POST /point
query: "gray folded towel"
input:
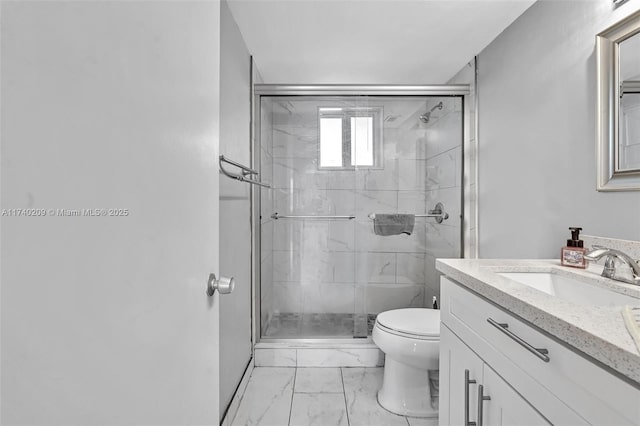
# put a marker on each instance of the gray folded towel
(393, 224)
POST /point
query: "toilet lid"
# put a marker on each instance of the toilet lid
(416, 321)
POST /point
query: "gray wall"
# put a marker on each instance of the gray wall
(537, 110)
(235, 207)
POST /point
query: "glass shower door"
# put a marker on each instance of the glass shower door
(334, 162)
(423, 151)
(390, 269)
(307, 282)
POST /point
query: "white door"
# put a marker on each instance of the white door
(460, 375)
(105, 319)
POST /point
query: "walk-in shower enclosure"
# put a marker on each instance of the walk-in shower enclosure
(335, 156)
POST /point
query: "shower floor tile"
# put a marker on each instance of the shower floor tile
(345, 396)
(315, 326)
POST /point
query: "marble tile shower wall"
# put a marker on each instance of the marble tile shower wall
(266, 206)
(335, 266)
(444, 184)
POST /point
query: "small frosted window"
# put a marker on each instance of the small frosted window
(330, 142)
(362, 141)
(350, 137)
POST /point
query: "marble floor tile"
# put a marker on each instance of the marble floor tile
(318, 380)
(361, 387)
(318, 409)
(267, 399)
(323, 396)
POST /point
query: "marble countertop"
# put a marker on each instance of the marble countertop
(597, 331)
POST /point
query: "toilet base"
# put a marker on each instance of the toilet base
(405, 390)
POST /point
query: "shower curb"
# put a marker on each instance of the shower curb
(318, 354)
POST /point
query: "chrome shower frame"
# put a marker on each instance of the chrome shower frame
(259, 90)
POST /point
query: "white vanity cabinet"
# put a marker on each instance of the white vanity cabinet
(472, 379)
(530, 378)
(460, 373)
(506, 407)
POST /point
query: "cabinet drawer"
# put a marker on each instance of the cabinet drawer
(593, 393)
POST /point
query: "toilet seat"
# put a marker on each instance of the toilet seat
(414, 323)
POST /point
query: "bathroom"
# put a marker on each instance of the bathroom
(125, 108)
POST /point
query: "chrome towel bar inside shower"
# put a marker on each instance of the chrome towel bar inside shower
(245, 171)
(438, 213)
(277, 216)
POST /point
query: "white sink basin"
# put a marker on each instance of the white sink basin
(571, 290)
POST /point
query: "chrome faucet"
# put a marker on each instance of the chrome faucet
(610, 270)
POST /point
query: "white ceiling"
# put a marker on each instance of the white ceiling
(369, 42)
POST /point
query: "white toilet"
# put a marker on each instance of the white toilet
(410, 339)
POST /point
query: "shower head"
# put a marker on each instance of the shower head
(427, 115)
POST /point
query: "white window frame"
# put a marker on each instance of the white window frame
(346, 113)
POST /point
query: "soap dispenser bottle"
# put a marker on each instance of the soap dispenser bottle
(573, 254)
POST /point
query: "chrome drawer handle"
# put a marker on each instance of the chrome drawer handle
(481, 399)
(467, 382)
(504, 327)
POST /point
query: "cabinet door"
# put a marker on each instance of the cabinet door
(460, 375)
(506, 406)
